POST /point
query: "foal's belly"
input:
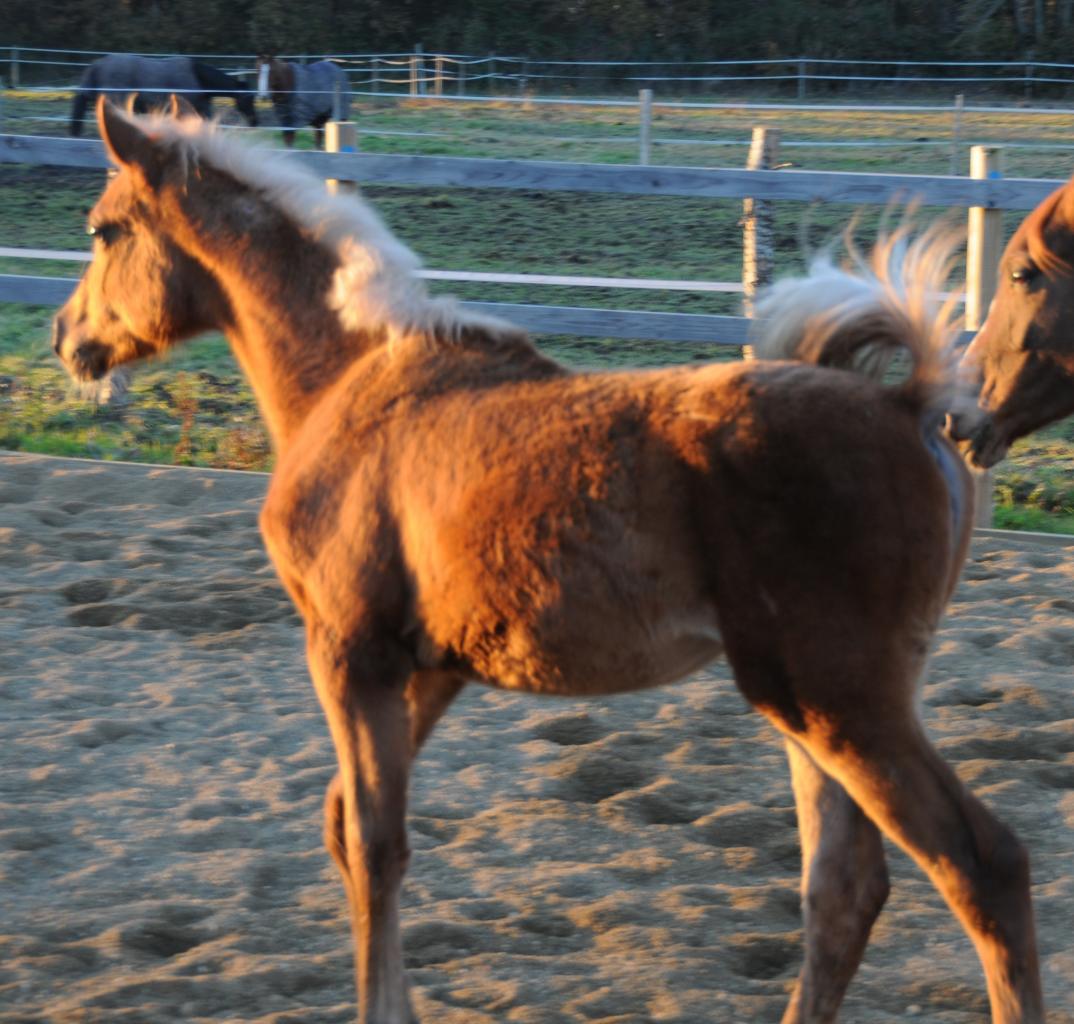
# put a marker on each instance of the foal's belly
(605, 657)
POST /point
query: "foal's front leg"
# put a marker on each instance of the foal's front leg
(362, 688)
(844, 886)
(428, 695)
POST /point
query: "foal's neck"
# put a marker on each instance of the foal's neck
(291, 345)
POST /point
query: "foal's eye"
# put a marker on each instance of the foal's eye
(1024, 274)
(106, 234)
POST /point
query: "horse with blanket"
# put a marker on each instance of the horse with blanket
(304, 94)
(150, 80)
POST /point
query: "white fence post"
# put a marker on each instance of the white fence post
(758, 242)
(645, 127)
(956, 132)
(984, 246)
(340, 137)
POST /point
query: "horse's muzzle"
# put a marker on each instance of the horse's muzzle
(978, 439)
(84, 360)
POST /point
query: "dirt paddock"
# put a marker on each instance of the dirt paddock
(163, 763)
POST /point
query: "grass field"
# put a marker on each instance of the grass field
(197, 408)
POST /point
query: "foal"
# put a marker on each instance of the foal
(449, 505)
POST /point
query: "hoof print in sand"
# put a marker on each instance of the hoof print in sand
(439, 942)
(662, 803)
(161, 938)
(570, 730)
(590, 776)
(761, 957)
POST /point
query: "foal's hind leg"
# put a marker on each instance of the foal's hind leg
(978, 865)
(844, 885)
(868, 738)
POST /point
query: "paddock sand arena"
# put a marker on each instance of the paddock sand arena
(163, 760)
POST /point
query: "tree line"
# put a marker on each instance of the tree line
(635, 30)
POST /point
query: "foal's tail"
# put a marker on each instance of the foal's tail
(861, 317)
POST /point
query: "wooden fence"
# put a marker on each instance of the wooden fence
(989, 195)
(985, 195)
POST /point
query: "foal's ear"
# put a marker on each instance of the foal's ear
(127, 143)
(180, 106)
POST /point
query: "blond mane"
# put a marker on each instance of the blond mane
(376, 286)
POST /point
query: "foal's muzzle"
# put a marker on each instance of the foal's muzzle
(84, 359)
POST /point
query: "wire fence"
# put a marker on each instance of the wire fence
(510, 103)
(420, 73)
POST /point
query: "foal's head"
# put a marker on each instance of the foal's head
(1022, 360)
(142, 292)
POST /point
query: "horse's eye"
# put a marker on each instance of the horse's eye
(1024, 274)
(106, 234)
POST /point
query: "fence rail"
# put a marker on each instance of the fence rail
(730, 183)
(551, 176)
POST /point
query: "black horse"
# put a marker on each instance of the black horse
(152, 79)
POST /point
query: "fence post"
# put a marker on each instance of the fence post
(460, 77)
(1029, 81)
(13, 77)
(801, 78)
(645, 128)
(758, 243)
(984, 241)
(340, 137)
(492, 74)
(438, 79)
(956, 132)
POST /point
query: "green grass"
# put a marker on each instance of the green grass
(197, 408)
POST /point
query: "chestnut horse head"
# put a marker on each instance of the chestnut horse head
(1022, 360)
(195, 232)
(142, 292)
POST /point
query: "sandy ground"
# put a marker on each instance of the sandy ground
(163, 760)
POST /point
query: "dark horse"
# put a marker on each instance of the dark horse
(151, 79)
(1023, 357)
(451, 506)
(304, 94)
